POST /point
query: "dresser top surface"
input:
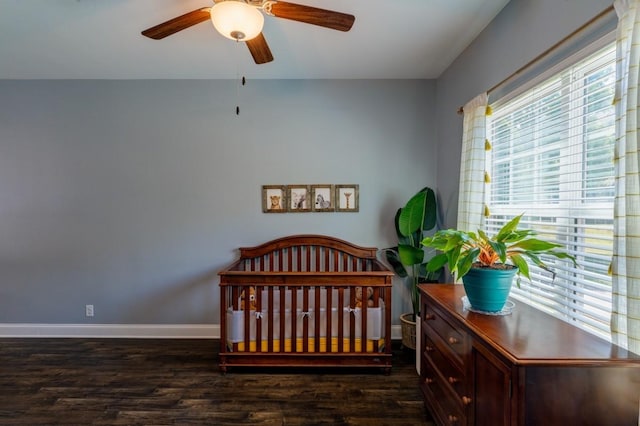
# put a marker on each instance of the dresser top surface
(528, 335)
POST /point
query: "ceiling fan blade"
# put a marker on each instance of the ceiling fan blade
(178, 24)
(312, 15)
(259, 49)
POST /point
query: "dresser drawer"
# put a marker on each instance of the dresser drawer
(455, 339)
(440, 358)
(439, 398)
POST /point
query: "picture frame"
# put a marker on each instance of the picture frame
(274, 199)
(322, 198)
(298, 198)
(347, 198)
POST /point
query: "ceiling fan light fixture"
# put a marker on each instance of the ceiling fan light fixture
(237, 20)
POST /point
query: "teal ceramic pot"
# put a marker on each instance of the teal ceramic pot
(488, 289)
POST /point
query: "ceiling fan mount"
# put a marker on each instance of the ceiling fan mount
(242, 20)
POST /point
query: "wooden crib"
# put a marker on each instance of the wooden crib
(295, 301)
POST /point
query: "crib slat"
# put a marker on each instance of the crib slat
(305, 319)
(352, 320)
(224, 303)
(270, 319)
(316, 319)
(363, 323)
(294, 319)
(341, 319)
(327, 260)
(283, 318)
(329, 331)
(258, 319)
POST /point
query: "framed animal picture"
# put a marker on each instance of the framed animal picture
(347, 198)
(274, 199)
(298, 198)
(322, 198)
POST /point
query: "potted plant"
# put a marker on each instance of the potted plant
(408, 258)
(487, 264)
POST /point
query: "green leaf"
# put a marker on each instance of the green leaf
(437, 262)
(522, 265)
(519, 235)
(500, 248)
(508, 228)
(412, 215)
(394, 260)
(410, 255)
(453, 256)
(430, 210)
(534, 258)
(466, 261)
(455, 240)
(535, 245)
(562, 255)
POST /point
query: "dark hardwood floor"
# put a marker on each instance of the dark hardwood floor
(153, 381)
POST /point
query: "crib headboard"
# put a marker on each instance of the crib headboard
(308, 253)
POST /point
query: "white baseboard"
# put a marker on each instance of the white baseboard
(133, 331)
(396, 332)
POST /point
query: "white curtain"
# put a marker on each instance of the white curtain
(625, 321)
(471, 194)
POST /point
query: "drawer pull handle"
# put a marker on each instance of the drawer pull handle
(452, 380)
(428, 348)
(466, 400)
(428, 380)
(452, 418)
(429, 317)
(453, 340)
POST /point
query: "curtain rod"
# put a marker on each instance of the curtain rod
(548, 51)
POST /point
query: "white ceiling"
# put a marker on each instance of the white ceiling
(100, 39)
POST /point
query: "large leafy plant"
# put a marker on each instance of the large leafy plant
(408, 257)
(462, 250)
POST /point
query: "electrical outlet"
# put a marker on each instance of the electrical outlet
(88, 310)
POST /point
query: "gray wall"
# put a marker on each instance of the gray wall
(523, 30)
(132, 195)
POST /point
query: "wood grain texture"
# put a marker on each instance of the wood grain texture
(525, 368)
(177, 24)
(312, 15)
(155, 381)
(260, 49)
(527, 336)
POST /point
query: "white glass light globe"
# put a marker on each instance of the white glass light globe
(237, 20)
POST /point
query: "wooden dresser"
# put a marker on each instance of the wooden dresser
(525, 368)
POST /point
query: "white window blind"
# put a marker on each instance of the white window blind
(552, 159)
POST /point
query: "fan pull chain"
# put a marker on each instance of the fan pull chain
(237, 77)
(243, 81)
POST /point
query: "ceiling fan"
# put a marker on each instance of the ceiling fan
(242, 20)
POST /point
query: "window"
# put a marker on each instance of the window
(552, 159)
